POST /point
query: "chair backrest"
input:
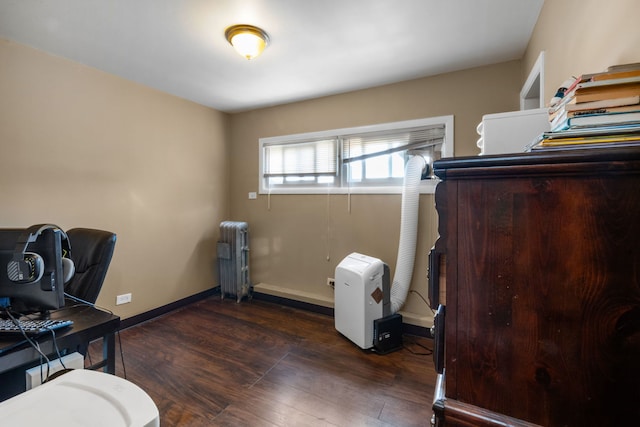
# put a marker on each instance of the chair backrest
(91, 252)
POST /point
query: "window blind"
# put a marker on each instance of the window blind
(363, 146)
(306, 158)
(367, 159)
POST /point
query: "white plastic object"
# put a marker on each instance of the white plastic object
(82, 397)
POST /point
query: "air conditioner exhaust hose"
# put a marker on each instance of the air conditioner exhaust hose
(408, 232)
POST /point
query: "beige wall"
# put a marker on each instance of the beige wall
(583, 36)
(81, 148)
(297, 240)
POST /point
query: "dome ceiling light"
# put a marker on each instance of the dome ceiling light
(247, 40)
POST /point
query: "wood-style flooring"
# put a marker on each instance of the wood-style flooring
(258, 363)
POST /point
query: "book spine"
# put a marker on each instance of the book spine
(611, 92)
(616, 75)
(611, 102)
(607, 119)
(607, 82)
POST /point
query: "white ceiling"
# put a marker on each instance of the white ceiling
(318, 47)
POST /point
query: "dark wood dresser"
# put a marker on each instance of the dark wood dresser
(540, 320)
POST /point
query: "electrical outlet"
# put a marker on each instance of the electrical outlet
(123, 299)
(331, 282)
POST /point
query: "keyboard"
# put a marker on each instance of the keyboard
(32, 326)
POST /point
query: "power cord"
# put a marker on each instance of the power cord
(428, 351)
(36, 346)
(55, 345)
(423, 299)
(82, 302)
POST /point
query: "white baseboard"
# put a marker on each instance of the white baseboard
(424, 321)
(294, 294)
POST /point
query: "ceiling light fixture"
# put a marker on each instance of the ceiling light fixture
(247, 40)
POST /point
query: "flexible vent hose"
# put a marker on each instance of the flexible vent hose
(408, 232)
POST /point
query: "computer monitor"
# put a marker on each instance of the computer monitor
(31, 271)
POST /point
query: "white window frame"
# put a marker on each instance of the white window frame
(426, 186)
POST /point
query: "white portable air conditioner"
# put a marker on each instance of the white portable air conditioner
(362, 289)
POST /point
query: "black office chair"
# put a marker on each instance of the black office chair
(91, 252)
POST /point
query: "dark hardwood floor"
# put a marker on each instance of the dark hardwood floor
(257, 363)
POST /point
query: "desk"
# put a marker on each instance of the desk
(89, 324)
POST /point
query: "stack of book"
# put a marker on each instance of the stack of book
(597, 109)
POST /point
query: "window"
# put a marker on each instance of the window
(368, 159)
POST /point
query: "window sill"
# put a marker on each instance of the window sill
(426, 187)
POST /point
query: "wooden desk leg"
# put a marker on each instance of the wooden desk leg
(109, 353)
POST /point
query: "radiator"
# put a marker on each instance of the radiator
(233, 260)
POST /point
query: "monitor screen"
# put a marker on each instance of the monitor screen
(31, 274)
